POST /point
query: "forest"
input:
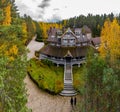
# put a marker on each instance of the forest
(101, 92)
(94, 22)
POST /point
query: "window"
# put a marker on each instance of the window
(72, 40)
(65, 41)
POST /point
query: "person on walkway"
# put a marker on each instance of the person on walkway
(75, 101)
(71, 101)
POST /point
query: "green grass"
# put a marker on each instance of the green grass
(78, 78)
(47, 76)
(50, 78)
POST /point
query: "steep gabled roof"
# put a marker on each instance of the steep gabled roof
(50, 39)
(68, 31)
(96, 40)
(86, 29)
(68, 54)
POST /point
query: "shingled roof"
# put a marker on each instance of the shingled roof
(96, 41)
(86, 29)
(69, 31)
(61, 52)
(52, 39)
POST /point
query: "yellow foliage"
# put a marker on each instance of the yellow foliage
(34, 26)
(11, 58)
(7, 10)
(3, 1)
(2, 46)
(44, 29)
(60, 26)
(110, 40)
(24, 31)
(64, 22)
(12, 52)
(46, 26)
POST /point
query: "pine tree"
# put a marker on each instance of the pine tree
(39, 32)
(30, 27)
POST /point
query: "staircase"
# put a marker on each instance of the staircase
(68, 81)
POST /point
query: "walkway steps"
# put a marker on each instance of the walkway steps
(68, 81)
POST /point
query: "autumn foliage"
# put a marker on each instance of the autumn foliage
(110, 40)
(13, 97)
(46, 26)
(7, 19)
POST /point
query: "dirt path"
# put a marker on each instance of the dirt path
(33, 46)
(38, 100)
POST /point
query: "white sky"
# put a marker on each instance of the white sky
(63, 9)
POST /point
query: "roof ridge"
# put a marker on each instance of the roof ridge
(68, 30)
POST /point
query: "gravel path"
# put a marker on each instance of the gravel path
(40, 101)
(33, 46)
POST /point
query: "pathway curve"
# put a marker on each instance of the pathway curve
(38, 100)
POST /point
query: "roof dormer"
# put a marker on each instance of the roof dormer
(68, 38)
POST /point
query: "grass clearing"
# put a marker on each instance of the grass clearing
(78, 77)
(47, 76)
(50, 78)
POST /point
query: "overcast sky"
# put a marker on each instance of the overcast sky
(45, 10)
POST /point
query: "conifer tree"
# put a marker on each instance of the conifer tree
(39, 32)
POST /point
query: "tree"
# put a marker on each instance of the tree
(13, 62)
(7, 19)
(101, 90)
(30, 28)
(94, 75)
(13, 97)
(12, 72)
(39, 32)
(110, 39)
(24, 32)
(5, 12)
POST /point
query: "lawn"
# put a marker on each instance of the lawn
(47, 76)
(50, 78)
(78, 77)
